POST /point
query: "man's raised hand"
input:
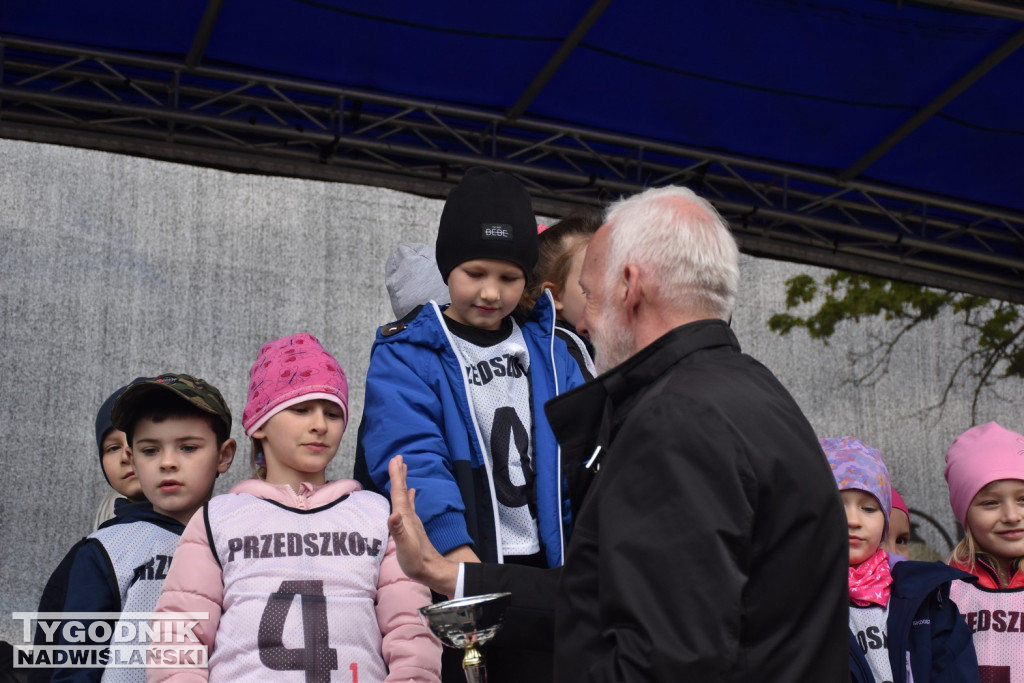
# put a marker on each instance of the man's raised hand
(417, 557)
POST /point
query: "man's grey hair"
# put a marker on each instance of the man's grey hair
(683, 245)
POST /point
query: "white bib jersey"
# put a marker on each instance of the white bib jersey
(996, 620)
(140, 554)
(870, 627)
(299, 589)
(499, 392)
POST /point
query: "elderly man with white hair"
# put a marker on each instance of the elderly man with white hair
(711, 544)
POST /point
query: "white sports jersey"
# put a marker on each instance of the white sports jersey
(499, 391)
(140, 554)
(299, 589)
(996, 620)
(870, 627)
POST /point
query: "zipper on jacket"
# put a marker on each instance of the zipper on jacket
(558, 447)
(476, 431)
(301, 497)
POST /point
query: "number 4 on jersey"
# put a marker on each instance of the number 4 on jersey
(316, 657)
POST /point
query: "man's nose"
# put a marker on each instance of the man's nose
(582, 326)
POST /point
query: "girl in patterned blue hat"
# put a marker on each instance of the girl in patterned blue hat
(903, 626)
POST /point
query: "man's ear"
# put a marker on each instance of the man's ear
(555, 294)
(226, 455)
(634, 295)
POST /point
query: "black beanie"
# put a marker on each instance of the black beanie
(487, 215)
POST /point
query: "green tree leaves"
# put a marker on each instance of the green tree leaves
(992, 331)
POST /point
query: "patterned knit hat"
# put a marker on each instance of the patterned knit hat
(978, 457)
(288, 371)
(855, 465)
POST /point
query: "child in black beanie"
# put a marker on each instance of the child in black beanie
(459, 391)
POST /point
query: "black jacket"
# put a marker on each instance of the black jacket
(711, 545)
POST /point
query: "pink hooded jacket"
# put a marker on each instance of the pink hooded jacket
(195, 583)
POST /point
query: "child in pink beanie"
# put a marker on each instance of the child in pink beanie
(289, 533)
(898, 541)
(985, 473)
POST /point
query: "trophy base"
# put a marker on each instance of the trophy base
(475, 674)
(473, 665)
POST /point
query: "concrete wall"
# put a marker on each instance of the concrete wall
(114, 267)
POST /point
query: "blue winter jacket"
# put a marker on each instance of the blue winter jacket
(417, 405)
(924, 625)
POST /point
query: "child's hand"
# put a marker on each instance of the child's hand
(417, 557)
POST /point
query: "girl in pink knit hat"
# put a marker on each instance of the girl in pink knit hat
(985, 473)
(298, 574)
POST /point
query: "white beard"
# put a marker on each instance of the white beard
(613, 339)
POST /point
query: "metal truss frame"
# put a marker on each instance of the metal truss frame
(260, 123)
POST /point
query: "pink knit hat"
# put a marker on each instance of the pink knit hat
(288, 371)
(898, 503)
(978, 457)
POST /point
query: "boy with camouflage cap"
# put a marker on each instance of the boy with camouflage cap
(178, 430)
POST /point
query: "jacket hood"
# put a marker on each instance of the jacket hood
(424, 326)
(914, 580)
(308, 496)
(987, 577)
(412, 278)
(143, 511)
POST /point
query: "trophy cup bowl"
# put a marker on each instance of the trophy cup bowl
(467, 623)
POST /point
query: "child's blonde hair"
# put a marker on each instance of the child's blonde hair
(256, 459)
(968, 551)
(965, 552)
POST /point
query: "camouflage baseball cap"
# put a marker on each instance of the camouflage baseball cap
(198, 392)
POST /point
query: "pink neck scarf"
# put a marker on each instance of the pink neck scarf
(870, 581)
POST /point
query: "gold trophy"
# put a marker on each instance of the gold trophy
(467, 623)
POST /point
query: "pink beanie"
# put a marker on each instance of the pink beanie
(898, 503)
(288, 371)
(978, 457)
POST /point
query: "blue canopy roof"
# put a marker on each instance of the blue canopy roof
(875, 135)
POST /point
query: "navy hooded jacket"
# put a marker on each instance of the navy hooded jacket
(925, 625)
(86, 581)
